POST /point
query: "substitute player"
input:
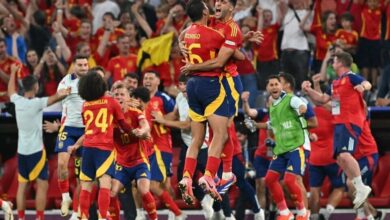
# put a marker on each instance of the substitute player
(32, 161)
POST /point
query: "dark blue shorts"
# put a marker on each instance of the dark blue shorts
(261, 165)
(346, 137)
(318, 174)
(367, 168)
(293, 162)
(160, 165)
(212, 95)
(95, 163)
(67, 136)
(32, 166)
(127, 174)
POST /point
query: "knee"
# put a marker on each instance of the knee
(290, 179)
(271, 178)
(343, 158)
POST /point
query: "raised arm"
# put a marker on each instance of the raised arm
(12, 80)
(321, 98)
(251, 112)
(140, 19)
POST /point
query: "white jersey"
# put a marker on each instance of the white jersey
(183, 108)
(72, 105)
(29, 115)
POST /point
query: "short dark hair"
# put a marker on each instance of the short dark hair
(92, 86)
(157, 74)
(195, 9)
(289, 79)
(272, 77)
(132, 75)
(233, 2)
(347, 17)
(80, 45)
(28, 82)
(109, 14)
(79, 57)
(344, 58)
(98, 68)
(183, 78)
(141, 93)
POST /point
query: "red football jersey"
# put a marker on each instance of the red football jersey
(366, 144)
(233, 39)
(160, 133)
(130, 150)
(371, 23)
(119, 66)
(268, 49)
(348, 37)
(98, 117)
(323, 41)
(322, 150)
(203, 44)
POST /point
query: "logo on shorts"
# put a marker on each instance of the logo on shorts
(144, 175)
(60, 145)
(290, 168)
(274, 157)
(344, 148)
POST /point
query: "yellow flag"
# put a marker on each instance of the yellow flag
(156, 49)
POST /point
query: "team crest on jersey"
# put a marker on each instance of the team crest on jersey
(117, 65)
(155, 105)
(343, 81)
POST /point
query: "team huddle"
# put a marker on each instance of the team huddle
(121, 138)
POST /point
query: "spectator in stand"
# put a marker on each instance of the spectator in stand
(162, 12)
(386, 52)
(176, 20)
(145, 15)
(369, 48)
(327, 72)
(49, 71)
(131, 31)
(111, 25)
(246, 69)
(295, 47)
(122, 64)
(347, 38)
(32, 61)
(324, 33)
(16, 44)
(267, 51)
(100, 8)
(383, 98)
(243, 9)
(38, 33)
(6, 62)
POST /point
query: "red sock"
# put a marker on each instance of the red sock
(75, 203)
(189, 167)
(103, 201)
(212, 166)
(149, 205)
(93, 193)
(272, 182)
(63, 185)
(169, 203)
(84, 203)
(21, 214)
(295, 190)
(114, 208)
(40, 215)
(227, 153)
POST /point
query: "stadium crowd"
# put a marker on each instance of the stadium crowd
(136, 52)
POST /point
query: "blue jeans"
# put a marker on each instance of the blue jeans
(249, 83)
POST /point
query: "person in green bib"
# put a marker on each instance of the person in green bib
(288, 126)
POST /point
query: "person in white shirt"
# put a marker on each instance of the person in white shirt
(72, 128)
(32, 161)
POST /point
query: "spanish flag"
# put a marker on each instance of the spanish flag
(155, 51)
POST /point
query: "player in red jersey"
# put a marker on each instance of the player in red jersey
(161, 160)
(99, 113)
(131, 160)
(223, 23)
(348, 117)
(366, 155)
(323, 165)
